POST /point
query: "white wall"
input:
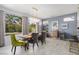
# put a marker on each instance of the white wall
(2, 15)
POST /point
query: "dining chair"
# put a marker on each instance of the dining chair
(16, 43)
(74, 44)
(34, 39)
(42, 38)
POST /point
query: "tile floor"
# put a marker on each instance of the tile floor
(52, 47)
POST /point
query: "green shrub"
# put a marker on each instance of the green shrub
(32, 27)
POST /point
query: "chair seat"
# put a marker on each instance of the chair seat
(22, 41)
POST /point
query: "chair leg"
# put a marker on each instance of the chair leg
(37, 44)
(21, 46)
(14, 50)
(42, 42)
(45, 41)
(33, 45)
(69, 49)
(70, 46)
(27, 46)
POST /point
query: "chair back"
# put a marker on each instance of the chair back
(44, 35)
(35, 36)
(13, 39)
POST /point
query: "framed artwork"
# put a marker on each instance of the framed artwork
(54, 25)
(64, 26)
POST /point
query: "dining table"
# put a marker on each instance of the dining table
(26, 37)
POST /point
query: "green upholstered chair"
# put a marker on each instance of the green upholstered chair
(16, 43)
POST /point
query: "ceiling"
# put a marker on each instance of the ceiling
(43, 10)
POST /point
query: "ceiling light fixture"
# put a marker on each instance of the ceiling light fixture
(35, 12)
(34, 8)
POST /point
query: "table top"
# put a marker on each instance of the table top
(26, 36)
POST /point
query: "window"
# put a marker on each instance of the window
(13, 23)
(34, 24)
(45, 22)
(45, 25)
(67, 19)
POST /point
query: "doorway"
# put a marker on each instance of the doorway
(54, 28)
